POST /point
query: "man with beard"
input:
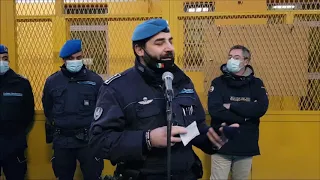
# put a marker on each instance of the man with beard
(130, 117)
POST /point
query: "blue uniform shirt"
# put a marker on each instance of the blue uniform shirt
(68, 101)
(133, 102)
(16, 112)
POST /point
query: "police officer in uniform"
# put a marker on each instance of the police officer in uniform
(16, 119)
(130, 118)
(69, 99)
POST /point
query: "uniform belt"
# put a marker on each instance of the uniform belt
(71, 132)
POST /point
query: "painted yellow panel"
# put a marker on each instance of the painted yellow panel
(240, 6)
(290, 149)
(292, 139)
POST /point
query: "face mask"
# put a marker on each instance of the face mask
(159, 65)
(4, 67)
(74, 65)
(233, 65)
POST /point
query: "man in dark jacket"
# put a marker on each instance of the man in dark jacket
(237, 97)
(130, 118)
(16, 119)
(69, 99)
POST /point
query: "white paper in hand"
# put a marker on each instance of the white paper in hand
(192, 132)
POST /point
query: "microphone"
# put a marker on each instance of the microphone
(167, 78)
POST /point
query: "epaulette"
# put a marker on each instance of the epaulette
(109, 80)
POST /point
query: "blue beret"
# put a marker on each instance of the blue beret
(149, 28)
(3, 49)
(70, 47)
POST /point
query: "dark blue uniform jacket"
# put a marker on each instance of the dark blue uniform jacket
(132, 103)
(249, 101)
(68, 101)
(16, 112)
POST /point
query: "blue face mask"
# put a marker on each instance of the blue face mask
(233, 65)
(4, 67)
(74, 65)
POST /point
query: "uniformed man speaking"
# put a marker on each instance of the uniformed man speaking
(16, 119)
(130, 119)
(69, 99)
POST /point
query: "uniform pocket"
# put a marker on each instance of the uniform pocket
(12, 99)
(11, 108)
(185, 110)
(58, 101)
(147, 115)
(87, 103)
(145, 111)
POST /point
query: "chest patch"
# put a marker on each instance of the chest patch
(239, 99)
(186, 91)
(12, 94)
(87, 83)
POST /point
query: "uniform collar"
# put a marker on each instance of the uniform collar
(81, 74)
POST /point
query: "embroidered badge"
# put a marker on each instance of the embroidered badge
(86, 102)
(186, 91)
(145, 101)
(97, 113)
(12, 94)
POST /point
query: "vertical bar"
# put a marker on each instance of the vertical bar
(59, 29)
(8, 33)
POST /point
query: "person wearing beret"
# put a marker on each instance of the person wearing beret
(129, 126)
(69, 98)
(16, 119)
(237, 96)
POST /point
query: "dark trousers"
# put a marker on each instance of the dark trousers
(64, 163)
(14, 166)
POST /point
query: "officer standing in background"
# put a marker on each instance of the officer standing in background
(237, 96)
(16, 119)
(69, 99)
(130, 118)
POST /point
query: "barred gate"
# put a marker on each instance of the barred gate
(285, 44)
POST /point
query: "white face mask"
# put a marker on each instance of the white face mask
(233, 65)
(74, 65)
(4, 67)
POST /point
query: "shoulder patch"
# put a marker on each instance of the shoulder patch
(108, 81)
(211, 89)
(97, 113)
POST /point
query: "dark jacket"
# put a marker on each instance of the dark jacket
(16, 112)
(133, 102)
(68, 101)
(249, 101)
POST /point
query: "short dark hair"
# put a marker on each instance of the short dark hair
(142, 43)
(245, 51)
